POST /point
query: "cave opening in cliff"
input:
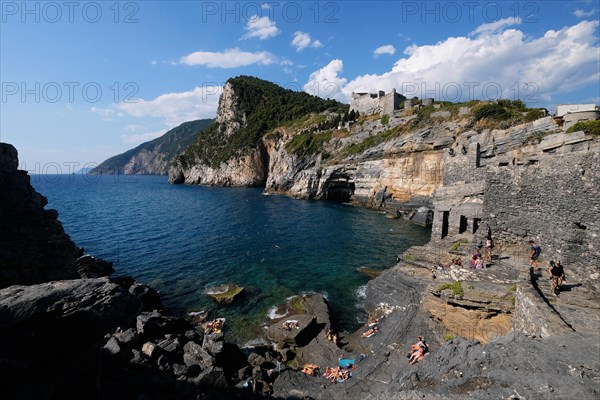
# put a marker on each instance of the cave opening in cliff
(340, 191)
(462, 227)
(445, 218)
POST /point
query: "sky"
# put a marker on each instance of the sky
(83, 81)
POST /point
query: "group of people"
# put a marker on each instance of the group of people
(337, 374)
(332, 337)
(215, 326)
(417, 351)
(290, 324)
(556, 271)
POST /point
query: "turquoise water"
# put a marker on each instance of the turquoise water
(184, 239)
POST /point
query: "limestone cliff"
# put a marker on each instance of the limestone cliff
(154, 157)
(231, 152)
(34, 247)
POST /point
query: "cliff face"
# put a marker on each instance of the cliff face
(33, 244)
(233, 152)
(247, 169)
(154, 157)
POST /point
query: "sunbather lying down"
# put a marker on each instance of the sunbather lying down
(338, 374)
(370, 332)
(214, 326)
(418, 351)
(310, 369)
(290, 324)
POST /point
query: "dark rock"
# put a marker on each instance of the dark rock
(213, 343)
(52, 331)
(138, 357)
(128, 337)
(194, 354)
(212, 377)
(91, 267)
(149, 297)
(170, 345)
(256, 359)
(124, 281)
(300, 337)
(186, 370)
(33, 244)
(163, 363)
(112, 346)
(152, 325)
(245, 372)
(194, 335)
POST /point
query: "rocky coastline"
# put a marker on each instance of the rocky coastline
(68, 330)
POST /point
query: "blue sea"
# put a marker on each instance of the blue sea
(183, 239)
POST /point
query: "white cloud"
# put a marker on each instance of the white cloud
(103, 112)
(386, 49)
(302, 40)
(261, 27)
(230, 58)
(326, 82)
(462, 68)
(496, 26)
(176, 108)
(265, 6)
(583, 14)
(138, 138)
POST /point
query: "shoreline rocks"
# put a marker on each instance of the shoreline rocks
(224, 293)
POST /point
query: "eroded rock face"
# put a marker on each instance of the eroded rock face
(50, 333)
(33, 244)
(245, 171)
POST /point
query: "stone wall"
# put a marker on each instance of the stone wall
(380, 103)
(572, 118)
(502, 183)
(556, 202)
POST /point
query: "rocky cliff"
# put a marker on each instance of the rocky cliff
(33, 245)
(154, 157)
(261, 138)
(232, 152)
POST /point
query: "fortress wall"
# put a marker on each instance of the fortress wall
(555, 202)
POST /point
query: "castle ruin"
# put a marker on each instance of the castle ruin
(376, 103)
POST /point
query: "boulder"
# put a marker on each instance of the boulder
(224, 293)
(307, 330)
(194, 354)
(50, 333)
(213, 343)
(150, 349)
(149, 297)
(91, 267)
(256, 359)
(112, 346)
(152, 325)
(186, 370)
(212, 377)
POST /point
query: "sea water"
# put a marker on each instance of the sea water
(182, 240)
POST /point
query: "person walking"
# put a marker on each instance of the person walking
(535, 254)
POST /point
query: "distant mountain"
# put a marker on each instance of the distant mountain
(84, 171)
(154, 157)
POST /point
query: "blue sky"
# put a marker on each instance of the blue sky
(82, 81)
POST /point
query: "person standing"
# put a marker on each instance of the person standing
(535, 254)
(488, 248)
